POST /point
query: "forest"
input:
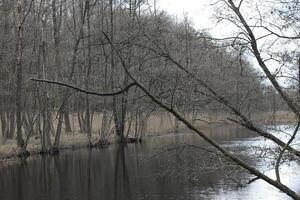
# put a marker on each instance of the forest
(91, 74)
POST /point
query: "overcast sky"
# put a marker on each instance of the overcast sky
(199, 11)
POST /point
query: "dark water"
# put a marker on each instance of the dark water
(155, 170)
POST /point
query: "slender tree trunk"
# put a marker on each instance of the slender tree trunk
(45, 101)
(57, 19)
(58, 130)
(104, 122)
(88, 70)
(67, 120)
(19, 72)
(116, 111)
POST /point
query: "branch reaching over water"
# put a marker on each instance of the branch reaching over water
(283, 150)
(207, 138)
(84, 90)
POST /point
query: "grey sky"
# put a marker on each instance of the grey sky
(199, 11)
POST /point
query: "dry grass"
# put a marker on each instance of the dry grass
(280, 117)
(68, 141)
(158, 124)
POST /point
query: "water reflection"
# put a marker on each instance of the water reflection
(121, 180)
(131, 172)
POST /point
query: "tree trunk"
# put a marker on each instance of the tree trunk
(19, 72)
(67, 121)
(88, 70)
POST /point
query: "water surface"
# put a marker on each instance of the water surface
(155, 170)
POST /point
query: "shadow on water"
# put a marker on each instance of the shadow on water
(130, 172)
(121, 179)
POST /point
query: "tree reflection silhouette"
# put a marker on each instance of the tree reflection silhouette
(121, 178)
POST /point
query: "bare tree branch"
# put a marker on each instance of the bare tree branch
(260, 61)
(245, 121)
(277, 165)
(208, 139)
(84, 90)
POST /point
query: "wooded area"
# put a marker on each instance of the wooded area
(102, 68)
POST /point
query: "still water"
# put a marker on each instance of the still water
(158, 169)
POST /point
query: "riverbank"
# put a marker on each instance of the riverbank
(68, 141)
(157, 125)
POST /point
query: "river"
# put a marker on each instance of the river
(161, 168)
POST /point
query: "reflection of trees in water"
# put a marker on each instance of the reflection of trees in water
(121, 172)
(199, 166)
(20, 173)
(89, 175)
(121, 179)
(57, 168)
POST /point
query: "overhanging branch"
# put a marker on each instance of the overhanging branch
(84, 90)
(208, 139)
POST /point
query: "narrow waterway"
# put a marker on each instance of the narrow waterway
(161, 168)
